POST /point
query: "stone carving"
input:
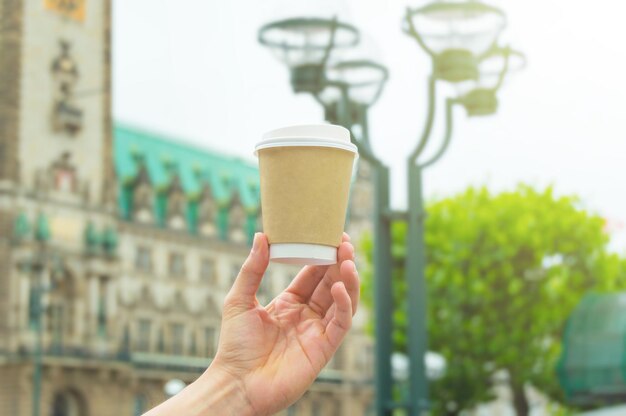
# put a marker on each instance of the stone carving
(236, 220)
(176, 204)
(143, 196)
(207, 212)
(66, 116)
(63, 174)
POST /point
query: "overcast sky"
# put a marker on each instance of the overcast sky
(194, 69)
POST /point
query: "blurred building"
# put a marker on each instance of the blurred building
(117, 246)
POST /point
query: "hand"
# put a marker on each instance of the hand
(268, 356)
(277, 351)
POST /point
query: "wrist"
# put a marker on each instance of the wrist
(215, 392)
(224, 393)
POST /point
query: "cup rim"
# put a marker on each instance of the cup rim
(309, 135)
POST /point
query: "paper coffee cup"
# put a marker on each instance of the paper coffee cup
(305, 183)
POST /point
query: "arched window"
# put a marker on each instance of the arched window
(68, 403)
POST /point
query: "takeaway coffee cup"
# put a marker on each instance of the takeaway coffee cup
(305, 181)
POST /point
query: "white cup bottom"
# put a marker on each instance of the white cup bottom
(303, 254)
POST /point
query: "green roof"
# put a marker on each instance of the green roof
(592, 365)
(166, 157)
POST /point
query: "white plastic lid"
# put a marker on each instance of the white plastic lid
(324, 135)
(303, 254)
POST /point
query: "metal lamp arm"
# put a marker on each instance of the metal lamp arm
(363, 148)
(429, 122)
(331, 42)
(447, 136)
(413, 32)
(507, 53)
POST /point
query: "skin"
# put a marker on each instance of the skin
(268, 356)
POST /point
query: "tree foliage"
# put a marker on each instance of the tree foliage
(504, 271)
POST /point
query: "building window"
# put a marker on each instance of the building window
(56, 312)
(68, 403)
(292, 410)
(102, 308)
(193, 349)
(34, 308)
(143, 340)
(161, 342)
(125, 344)
(143, 259)
(337, 362)
(209, 342)
(177, 265)
(177, 333)
(316, 408)
(207, 271)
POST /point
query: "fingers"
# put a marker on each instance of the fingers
(345, 271)
(304, 284)
(350, 278)
(342, 319)
(243, 292)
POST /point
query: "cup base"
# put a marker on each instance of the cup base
(303, 254)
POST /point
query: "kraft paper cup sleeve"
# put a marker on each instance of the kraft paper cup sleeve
(304, 193)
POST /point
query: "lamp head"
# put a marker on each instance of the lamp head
(305, 44)
(455, 33)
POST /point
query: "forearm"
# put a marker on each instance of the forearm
(213, 393)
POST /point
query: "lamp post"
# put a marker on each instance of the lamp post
(460, 37)
(43, 265)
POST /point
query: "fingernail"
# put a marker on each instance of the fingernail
(354, 266)
(256, 241)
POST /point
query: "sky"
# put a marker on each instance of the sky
(194, 69)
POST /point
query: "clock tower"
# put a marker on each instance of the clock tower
(57, 187)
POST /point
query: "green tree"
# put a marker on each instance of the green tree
(504, 272)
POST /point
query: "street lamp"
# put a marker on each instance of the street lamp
(480, 97)
(173, 387)
(352, 86)
(461, 38)
(455, 34)
(304, 45)
(45, 266)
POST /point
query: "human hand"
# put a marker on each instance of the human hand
(276, 352)
(269, 355)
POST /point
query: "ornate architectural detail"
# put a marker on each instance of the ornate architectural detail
(73, 9)
(236, 219)
(66, 116)
(212, 305)
(146, 299)
(176, 204)
(143, 196)
(91, 239)
(207, 212)
(63, 174)
(179, 304)
(21, 227)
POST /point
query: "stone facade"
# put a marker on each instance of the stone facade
(130, 299)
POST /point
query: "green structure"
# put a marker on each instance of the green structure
(592, 366)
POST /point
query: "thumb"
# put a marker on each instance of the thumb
(247, 283)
